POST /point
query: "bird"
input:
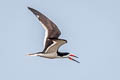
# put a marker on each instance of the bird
(52, 42)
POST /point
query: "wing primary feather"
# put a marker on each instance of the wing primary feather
(51, 30)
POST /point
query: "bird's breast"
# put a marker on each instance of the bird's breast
(48, 55)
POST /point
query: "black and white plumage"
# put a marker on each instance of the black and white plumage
(51, 40)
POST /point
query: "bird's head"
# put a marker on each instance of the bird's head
(69, 56)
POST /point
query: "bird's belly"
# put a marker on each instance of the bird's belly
(49, 55)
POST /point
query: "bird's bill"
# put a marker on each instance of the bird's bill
(72, 55)
(73, 59)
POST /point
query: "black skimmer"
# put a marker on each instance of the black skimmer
(51, 40)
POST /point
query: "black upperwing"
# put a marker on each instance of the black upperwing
(52, 31)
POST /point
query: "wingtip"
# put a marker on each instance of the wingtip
(29, 8)
(33, 11)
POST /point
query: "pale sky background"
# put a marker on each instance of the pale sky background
(92, 28)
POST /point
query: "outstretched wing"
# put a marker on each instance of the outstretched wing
(53, 48)
(51, 30)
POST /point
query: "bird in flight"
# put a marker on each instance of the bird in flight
(51, 40)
